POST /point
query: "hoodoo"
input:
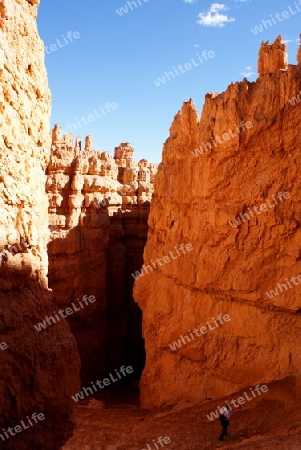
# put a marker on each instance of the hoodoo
(98, 212)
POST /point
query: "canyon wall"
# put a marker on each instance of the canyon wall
(229, 185)
(39, 371)
(98, 212)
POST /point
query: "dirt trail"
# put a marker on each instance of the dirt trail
(114, 421)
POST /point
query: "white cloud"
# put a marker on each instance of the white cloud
(248, 73)
(196, 45)
(288, 41)
(239, 2)
(190, 1)
(213, 17)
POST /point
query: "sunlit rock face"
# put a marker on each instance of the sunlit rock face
(39, 370)
(229, 185)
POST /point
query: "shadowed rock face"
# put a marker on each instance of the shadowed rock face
(98, 211)
(39, 370)
(209, 177)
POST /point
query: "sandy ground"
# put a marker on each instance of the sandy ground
(114, 421)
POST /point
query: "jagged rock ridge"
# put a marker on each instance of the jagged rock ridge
(232, 267)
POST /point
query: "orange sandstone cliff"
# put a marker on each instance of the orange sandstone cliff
(98, 211)
(217, 172)
(39, 371)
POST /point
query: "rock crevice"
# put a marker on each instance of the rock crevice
(98, 212)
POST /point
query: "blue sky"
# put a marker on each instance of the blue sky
(102, 78)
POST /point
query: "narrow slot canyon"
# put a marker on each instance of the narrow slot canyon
(94, 250)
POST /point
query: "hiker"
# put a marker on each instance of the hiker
(224, 420)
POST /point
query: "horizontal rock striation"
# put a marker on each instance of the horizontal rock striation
(217, 172)
(39, 371)
(98, 211)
